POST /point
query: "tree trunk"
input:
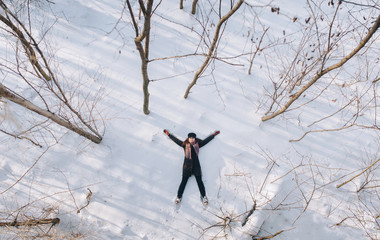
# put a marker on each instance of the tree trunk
(144, 71)
(194, 7)
(143, 51)
(4, 92)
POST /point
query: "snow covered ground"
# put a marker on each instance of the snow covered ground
(134, 173)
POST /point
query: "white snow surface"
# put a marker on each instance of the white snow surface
(135, 171)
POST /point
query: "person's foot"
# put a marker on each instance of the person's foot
(204, 200)
(177, 200)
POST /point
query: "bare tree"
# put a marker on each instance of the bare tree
(31, 68)
(143, 37)
(320, 53)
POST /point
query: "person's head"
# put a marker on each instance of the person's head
(191, 136)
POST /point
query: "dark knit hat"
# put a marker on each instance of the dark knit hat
(193, 135)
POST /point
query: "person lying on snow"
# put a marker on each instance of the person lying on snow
(191, 165)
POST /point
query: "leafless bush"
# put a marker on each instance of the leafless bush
(298, 191)
(42, 218)
(32, 79)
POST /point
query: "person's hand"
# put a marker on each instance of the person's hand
(216, 133)
(166, 132)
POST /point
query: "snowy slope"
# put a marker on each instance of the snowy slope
(135, 172)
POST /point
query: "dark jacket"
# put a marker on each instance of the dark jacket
(191, 166)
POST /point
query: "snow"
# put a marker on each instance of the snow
(135, 172)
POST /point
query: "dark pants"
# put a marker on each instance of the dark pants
(182, 186)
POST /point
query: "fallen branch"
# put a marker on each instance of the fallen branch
(32, 222)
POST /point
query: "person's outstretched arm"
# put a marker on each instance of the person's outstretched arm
(208, 139)
(173, 138)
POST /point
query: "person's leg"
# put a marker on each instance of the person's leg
(182, 186)
(201, 186)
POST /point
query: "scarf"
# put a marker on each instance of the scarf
(188, 150)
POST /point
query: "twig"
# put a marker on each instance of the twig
(322, 130)
(341, 109)
(88, 197)
(257, 50)
(268, 237)
(249, 214)
(55, 194)
(340, 223)
(270, 170)
(362, 5)
(69, 189)
(21, 137)
(27, 171)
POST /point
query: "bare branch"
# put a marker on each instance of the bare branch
(257, 50)
(212, 47)
(88, 198)
(26, 172)
(268, 237)
(357, 175)
(21, 137)
(322, 71)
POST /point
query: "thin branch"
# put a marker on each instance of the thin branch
(358, 174)
(212, 47)
(249, 214)
(257, 50)
(88, 198)
(21, 137)
(133, 18)
(323, 130)
(30, 168)
(268, 237)
(362, 5)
